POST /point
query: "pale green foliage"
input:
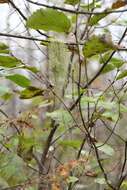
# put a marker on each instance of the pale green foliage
(72, 179)
(60, 116)
(49, 20)
(11, 169)
(66, 141)
(98, 45)
(105, 148)
(3, 90)
(100, 181)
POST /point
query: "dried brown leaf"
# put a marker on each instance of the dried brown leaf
(119, 4)
(4, 1)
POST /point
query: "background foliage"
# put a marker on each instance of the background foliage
(63, 108)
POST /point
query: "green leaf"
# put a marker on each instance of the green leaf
(72, 179)
(105, 148)
(26, 141)
(49, 20)
(122, 75)
(107, 105)
(71, 2)
(109, 115)
(44, 43)
(12, 168)
(71, 143)
(20, 80)
(96, 18)
(3, 90)
(25, 148)
(7, 96)
(13, 142)
(100, 181)
(3, 46)
(6, 51)
(31, 92)
(60, 116)
(123, 108)
(117, 62)
(96, 45)
(8, 61)
(32, 69)
(108, 68)
(114, 61)
(89, 99)
(124, 185)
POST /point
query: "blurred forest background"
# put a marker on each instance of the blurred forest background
(63, 91)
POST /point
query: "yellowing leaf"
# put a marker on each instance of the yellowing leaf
(31, 92)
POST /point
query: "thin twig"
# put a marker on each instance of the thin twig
(77, 11)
